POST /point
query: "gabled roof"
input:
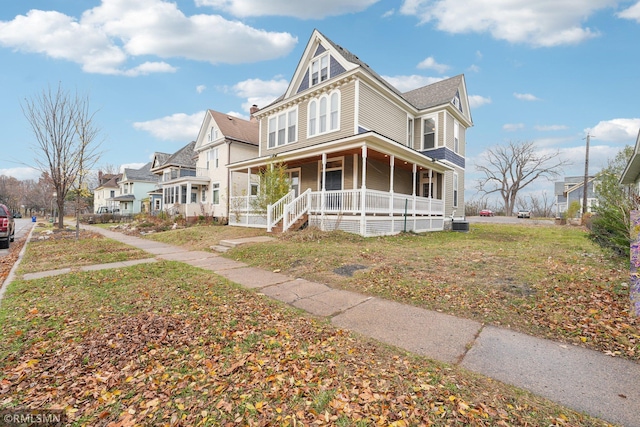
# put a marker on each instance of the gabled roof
(632, 171)
(184, 157)
(143, 174)
(440, 93)
(112, 182)
(236, 128)
(159, 159)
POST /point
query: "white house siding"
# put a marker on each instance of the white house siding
(381, 115)
(347, 100)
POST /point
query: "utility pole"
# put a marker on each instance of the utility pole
(586, 176)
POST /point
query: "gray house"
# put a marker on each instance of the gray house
(134, 188)
(572, 190)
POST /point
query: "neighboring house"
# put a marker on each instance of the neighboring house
(572, 190)
(222, 139)
(361, 155)
(180, 189)
(134, 188)
(108, 188)
(631, 174)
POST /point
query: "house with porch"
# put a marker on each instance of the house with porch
(178, 189)
(134, 187)
(361, 155)
(103, 195)
(631, 174)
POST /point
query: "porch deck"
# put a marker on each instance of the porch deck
(365, 212)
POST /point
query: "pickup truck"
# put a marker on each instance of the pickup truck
(7, 227)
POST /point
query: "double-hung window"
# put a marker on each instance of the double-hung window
(319, 70)
(410, 132)
(213, 159)
(215, 194)
(456, 136)
(429, 134)
(455, 189)
(283, 128)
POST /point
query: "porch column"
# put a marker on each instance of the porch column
(188, 200)
(391, 170)
(415, 173)
(323, 189)
(363, 194)
(430, 191)
(248, 198)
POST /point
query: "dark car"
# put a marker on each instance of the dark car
(7, 227)
(486, 212)
(17, 214)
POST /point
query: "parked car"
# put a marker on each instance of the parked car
(7, 227)
(486, 212)
(17, 214)
(524, 213)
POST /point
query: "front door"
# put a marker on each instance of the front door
(334, 180)
(294, 180)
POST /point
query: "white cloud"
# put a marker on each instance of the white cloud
(526, 97)
(431, 64)
(21, 174)
(260, 92)
(632, 13)
(476, 101)
(201, 88)
(474, 68)
(547, 128)
(512, 127)
(616, 130)
(389, 13)
(304, 9)
(108, 38)
(538, 23)
(407, 83)
(177, 127)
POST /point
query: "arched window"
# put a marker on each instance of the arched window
(323, 115)
(335, 109)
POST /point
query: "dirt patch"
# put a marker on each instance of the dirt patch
(349, 270)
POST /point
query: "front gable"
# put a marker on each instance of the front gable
(209, 132)
(321, 61)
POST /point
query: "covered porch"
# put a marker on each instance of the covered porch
(367, 184)
(188, 196)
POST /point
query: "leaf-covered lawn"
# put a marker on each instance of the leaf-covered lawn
(62, 250)
(168, 344)
(543, 280)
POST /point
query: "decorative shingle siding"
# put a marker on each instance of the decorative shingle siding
(304, 85)
(379, 114)
(444, 153)
(335, 69)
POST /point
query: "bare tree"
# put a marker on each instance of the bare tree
(509, 169)
(64, 146)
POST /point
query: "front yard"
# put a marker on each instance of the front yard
(546, 281)
(166, 344)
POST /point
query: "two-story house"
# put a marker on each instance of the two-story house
(182, 192)
(108, 188)
(572, 190)
(362, 156)
(223, 140)
(135, 185)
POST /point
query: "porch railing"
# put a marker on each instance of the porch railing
(295, 209)
(275, 212)
(375, 202)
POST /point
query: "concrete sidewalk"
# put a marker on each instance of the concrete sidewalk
(584, 380)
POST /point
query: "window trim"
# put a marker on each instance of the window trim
(273, 128)
(456, 136)
(435, 132)
(455, 189)
(315, 116)
(317, 62)
(215, 188)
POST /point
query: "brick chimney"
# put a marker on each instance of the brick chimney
(254, 109)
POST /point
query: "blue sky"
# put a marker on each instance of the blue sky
(543, 71)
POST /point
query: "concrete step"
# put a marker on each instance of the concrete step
(220, 248)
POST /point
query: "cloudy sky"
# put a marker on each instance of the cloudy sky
(543, 71)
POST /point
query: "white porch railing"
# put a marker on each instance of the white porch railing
(295, 209)
(275, 212)
(377, 204)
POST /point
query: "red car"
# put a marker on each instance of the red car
(486, 212)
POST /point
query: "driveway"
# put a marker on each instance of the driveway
(509, 220)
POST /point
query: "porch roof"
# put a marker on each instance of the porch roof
(199, 180)
(379, 147)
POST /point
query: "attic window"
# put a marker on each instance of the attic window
(319, 70)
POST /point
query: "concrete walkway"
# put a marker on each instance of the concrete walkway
(584, 380)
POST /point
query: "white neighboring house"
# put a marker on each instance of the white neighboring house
(103, 196)
(134, 188)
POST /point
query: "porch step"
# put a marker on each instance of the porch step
(298, 225)
(225, 245)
